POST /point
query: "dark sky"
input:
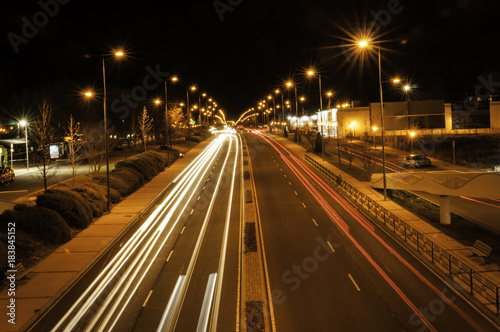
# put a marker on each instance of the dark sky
(443, 47)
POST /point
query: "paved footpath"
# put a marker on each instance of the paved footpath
(47, 280)
(492, 271)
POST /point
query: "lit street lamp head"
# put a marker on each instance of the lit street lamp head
(362, 43)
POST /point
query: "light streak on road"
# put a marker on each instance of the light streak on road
(207, 304)
(196, 251)
(481, 202)
(360, 155)
(223, 252)
(100, 301)
(363, 222)
(167, 314)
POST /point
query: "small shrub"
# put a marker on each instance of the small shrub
(71, 209)
(128, 177)
(115, 183)
(138, 174)
(140, 167)
(42, 223)
(95, 198)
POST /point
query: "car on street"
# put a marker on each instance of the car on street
(416, 160)
(6, 175)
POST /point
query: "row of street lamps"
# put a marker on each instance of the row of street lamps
(207, 111)
(362, 44)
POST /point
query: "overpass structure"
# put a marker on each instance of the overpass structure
(444, 184)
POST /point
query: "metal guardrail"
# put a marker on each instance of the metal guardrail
(474, 281)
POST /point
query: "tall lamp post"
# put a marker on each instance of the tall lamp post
(289, 84)
(25, 125)
(193, 88)
(106, 138)
(311, 73)
(363, 44)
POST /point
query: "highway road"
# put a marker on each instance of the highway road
(330, 269)
(176, 269)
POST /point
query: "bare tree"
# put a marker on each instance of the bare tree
(348, 153)
(174, 120)
(369, 159)
(94, 148)
(145, 125)
(46, 167)
(74, 156)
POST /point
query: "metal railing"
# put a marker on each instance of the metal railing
(474, 281)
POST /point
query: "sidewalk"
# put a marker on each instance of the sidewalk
(52, 276)
(448, 244)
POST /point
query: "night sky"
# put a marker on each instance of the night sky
(240, 52)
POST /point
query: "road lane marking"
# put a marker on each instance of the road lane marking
(296, 194)
(171, 252)
(147, 299)
(329, 244)
(284, 175)
(314, 221)
(183, 228)
(354, 282)
(192, 210)
(289, 183)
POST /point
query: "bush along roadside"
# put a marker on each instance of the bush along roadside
(63, 210)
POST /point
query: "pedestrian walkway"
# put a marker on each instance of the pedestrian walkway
(56, 273)
(445, 243)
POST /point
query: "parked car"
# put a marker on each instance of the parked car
(416, 160)
(6, 174)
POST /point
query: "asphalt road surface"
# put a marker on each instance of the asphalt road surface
(330, 269)
(177, 267)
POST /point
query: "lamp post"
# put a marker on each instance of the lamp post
(193, 88)
(117, 54)
(363, 44)
(412, 136)
(290, 84)
(329, 94)
(311, 73)
(25, 125)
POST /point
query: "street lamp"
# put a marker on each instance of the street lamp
(289, 84)
(25, 125)
(412, 136)
(117, 54)
(192, 88)
(374, 129)
(329, 95)
(363, 44)
(311, 73)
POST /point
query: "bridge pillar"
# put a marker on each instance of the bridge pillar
(444, 210)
